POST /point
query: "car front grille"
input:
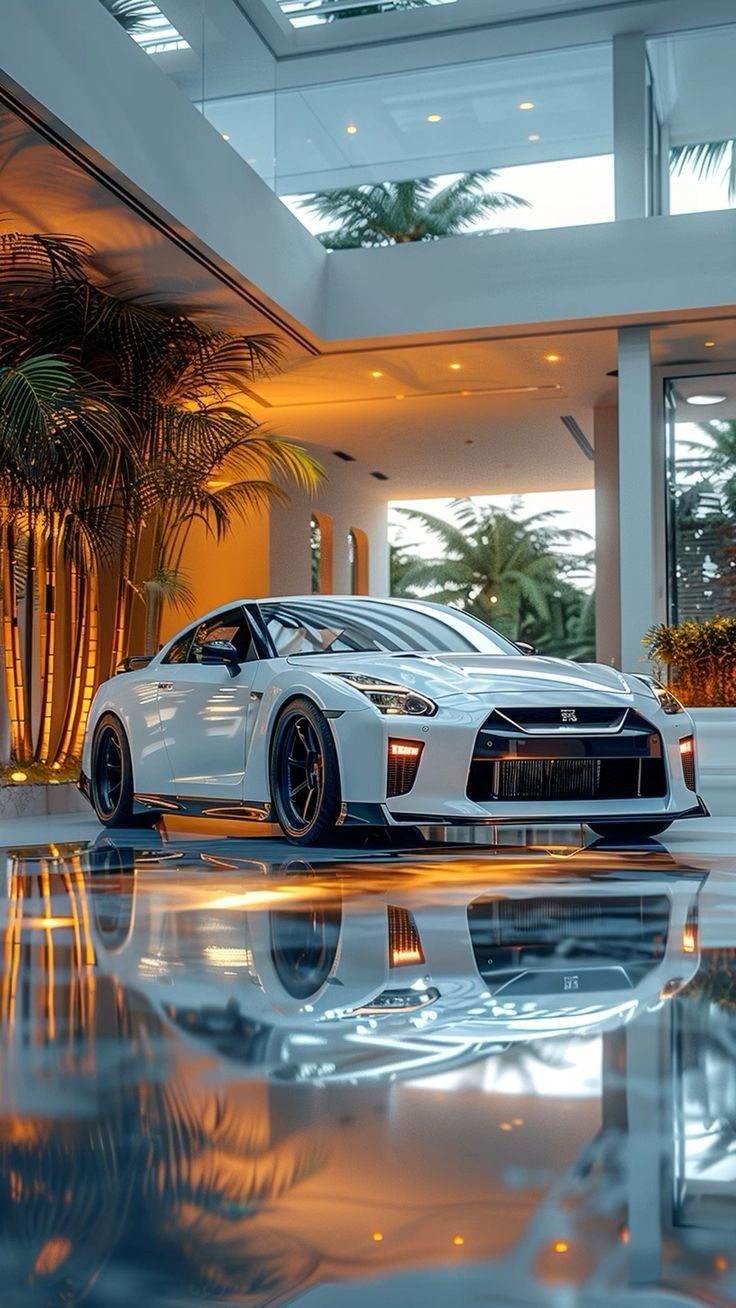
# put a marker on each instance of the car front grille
(567, 779)
(568, 762)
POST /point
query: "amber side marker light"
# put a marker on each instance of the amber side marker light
(404, 945)
(397, 749)
(689, 942)
(686, 746)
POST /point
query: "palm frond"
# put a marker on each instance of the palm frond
(707, 158)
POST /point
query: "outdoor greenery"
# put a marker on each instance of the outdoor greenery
(507, 570)
(121, 427)
(394, 213)
(706, 159)
(698, 659)
(704, 522)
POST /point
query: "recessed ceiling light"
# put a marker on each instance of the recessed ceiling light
(225, 136)
(351, 129)
(552, 358)
(709, 344)
(527, 104)
(376, 373)
(534, 137)
(399, 397)
(434, 118)
(705, 399)
(455, 366)
(465, 392)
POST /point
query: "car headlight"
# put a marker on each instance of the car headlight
(668, 702)
(388, 697)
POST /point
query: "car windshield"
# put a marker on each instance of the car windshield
(342, 627)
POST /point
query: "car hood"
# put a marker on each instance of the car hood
(457, 676)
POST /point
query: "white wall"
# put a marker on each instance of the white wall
(641, 269)
(352, 499)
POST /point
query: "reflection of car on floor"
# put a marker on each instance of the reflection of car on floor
(327, 973)
(323, 712)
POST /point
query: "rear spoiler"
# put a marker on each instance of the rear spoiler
(134, 662)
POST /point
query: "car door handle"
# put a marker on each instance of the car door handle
(165, 685)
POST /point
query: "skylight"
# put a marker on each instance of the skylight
(307, 13)
(147, 25)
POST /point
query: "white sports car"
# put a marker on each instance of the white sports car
(320, 712)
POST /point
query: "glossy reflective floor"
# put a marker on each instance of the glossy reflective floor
(445, 1076)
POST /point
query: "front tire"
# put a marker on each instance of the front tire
(626, 832)
(111, 777)
(305, 774)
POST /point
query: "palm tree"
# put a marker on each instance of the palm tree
(133, 15)
(503, 569)
(706, 159)
(137, 432)
(393, 213)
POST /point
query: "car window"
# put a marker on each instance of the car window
(232, 626)
(179, 652)
(339, 626)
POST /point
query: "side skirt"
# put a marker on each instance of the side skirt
(196, 806)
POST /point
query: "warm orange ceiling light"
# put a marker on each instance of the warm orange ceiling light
(434, 118)
(351, 129)
(376, 373)
(377, 1236)
(709, 344)
(458, 1239)
(527, 104)
(561, 1246)
(552, 358)
(456, 367)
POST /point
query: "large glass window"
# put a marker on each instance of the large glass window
(701, 429)
(695, 99)
(541, 124)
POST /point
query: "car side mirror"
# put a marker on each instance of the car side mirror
(221, 651)
(523, 648)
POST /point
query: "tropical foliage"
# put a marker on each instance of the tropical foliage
(121, 427)
(394, 213)
(707, 159)
(698, 659)
(506, 570)
(703, 520)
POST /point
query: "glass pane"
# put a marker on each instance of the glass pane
(695, 97)
(702, 495)
(542, 123)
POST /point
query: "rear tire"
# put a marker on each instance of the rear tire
(305, 775)
(111, 777)
(623, 832)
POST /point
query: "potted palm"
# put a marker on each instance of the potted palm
(698, 661)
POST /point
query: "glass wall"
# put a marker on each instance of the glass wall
(695, 100)
(701, 447)
(538, 127)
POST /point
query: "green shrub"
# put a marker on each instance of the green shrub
(697, 659)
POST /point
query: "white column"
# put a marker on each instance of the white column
(607, 581)
(630, 124)
(641, 512)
